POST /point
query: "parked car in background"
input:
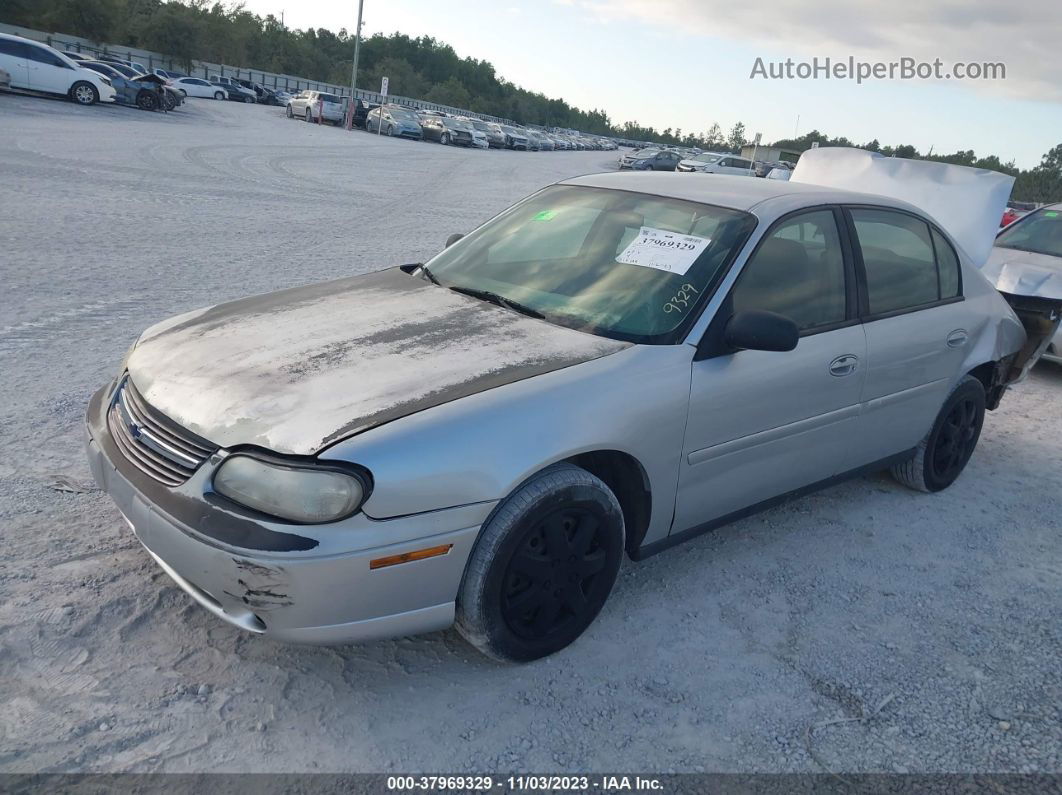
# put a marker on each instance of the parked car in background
(363, 108)
(650, 160)
(198, 87)
(168, 74)
(33, 66)
(514, 138)
(1026, 267)
(283, 97)
(479, 138)
(717, 163)
(495, 136)
(147, 92)
(315, 106)
(445, 130)
(234, 90)
(545, 143)
(139, 68)
(394, 120)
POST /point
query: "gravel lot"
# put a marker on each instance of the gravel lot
(930, 621)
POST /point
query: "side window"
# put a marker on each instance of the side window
(41, 55)
(898, 256)
(15, 48)
(797, 271)
(948, 265)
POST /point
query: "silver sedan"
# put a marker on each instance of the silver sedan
(618, 363)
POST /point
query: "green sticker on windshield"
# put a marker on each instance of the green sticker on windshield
(545, 215)
(1051, 214)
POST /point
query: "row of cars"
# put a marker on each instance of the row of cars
(695, 160)
(400, 121)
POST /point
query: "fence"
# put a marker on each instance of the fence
(206, 70)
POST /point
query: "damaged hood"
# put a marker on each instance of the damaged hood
(1027, 273)
(296, 370)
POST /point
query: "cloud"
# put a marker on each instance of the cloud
(1023, 35)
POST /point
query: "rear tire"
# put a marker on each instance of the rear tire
(84, 93)
(944, 452)
(542, 567)
(444, 138)
(308, 116)
(289, 112)
(248, 100)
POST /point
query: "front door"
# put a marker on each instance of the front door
(48, 72)
(765, 423)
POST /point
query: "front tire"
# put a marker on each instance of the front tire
(944, 452)
(542, 567)
(289, 112)
(219, 95)
(84, 93)
(146, 100)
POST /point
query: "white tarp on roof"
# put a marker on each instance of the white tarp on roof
(967, 202)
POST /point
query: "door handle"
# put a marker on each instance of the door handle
(957, 338)
(844, 365)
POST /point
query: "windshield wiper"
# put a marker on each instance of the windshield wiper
(500, 300)
(429, 274)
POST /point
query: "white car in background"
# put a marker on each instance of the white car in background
(780, 173)
(717, 163)
(197, 87)
(1026, 266)
(37, 67)
(316, 106)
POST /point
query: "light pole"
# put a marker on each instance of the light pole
(354, 68)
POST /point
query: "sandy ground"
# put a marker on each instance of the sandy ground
(932, 619)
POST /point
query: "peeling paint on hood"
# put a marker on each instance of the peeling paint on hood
(296, 370)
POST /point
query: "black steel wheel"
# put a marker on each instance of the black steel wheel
(543, 566)
(943, 454)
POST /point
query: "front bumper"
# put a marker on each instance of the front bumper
(326, 594)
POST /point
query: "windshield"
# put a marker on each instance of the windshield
(481, 126)
(1039, 232)
(623, 265)
(402, 113)
(645, 152)
(707, 158)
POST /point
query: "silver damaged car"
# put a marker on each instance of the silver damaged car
(617, 363)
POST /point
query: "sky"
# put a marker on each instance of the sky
(688, 63)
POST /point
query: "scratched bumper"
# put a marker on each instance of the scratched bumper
(327, 594)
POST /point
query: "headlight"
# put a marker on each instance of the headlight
(300, 494)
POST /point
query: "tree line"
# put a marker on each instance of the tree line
(422, 67)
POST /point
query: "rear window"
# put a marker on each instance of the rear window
(328, 98)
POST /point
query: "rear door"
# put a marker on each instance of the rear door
(13, 60)
(763, 423)
(916, 325)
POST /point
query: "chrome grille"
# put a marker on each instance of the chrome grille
(157, 446)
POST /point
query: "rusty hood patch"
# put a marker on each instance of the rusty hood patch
(296, 370)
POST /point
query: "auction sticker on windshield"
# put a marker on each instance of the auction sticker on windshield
(663, 250)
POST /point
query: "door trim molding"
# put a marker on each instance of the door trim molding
(647, 550)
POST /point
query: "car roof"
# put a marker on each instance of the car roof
(736, 192)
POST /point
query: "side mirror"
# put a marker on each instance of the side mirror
(453, 239)
(758, 330)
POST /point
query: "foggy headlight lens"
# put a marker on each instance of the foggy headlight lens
(312, 496)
